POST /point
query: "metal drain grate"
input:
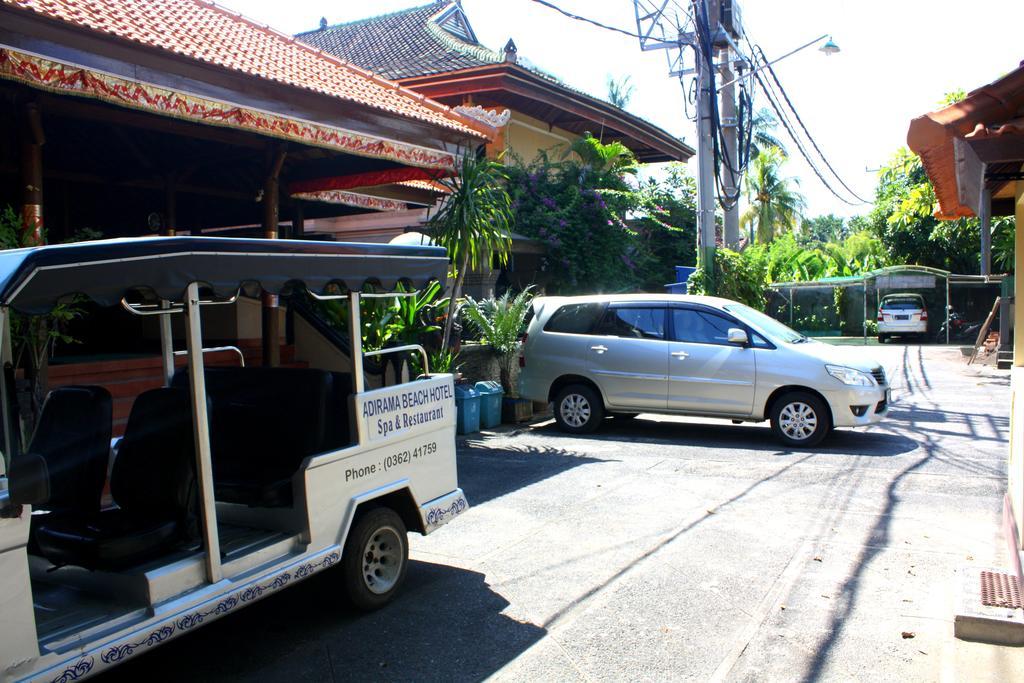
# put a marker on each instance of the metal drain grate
(1000, 590)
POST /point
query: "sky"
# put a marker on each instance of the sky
(897, 60)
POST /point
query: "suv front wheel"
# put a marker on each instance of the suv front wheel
(800, 419)
(578, 409)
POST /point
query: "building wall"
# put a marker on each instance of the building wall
(1016, 456)
(525, 136)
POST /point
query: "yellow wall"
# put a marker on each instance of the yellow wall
(525, 136)
(1015, 466)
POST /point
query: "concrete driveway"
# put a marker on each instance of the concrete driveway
(670, 549)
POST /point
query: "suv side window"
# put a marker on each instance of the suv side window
(635, 323)
(574, 318)
(700, 327)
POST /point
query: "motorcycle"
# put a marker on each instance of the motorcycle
(960, 330)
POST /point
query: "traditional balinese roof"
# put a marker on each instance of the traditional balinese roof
(430, 39)
(977, 142)
(433, 49)
(203, 31)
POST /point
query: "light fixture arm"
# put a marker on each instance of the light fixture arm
(774, 61)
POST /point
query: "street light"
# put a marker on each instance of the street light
(829, 48)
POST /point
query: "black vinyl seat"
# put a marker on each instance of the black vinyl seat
(154, 485)
(71, 445)
(265, 422)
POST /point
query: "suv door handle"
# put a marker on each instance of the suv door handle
(600, 348)
(681, 355)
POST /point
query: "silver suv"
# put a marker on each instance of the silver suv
(692, 355)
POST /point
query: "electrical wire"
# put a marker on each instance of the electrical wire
(783, 119)
(727, 196)
(587, 20)
(796, 115)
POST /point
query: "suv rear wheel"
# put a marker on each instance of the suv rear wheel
(578, 409)
(800, 419)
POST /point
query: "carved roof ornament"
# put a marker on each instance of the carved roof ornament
(511, 52)
(491, 118)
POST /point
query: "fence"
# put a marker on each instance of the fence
(848, 306)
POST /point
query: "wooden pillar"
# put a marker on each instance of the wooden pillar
(985, 221)
(271, 327)
(32, 177)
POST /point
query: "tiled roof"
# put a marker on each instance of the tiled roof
(201, 30)
(993, 110)
(403, 44)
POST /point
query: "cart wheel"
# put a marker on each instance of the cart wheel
(375, 559)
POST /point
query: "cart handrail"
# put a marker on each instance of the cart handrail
(173, 307)
(401, 349)
(214, 349)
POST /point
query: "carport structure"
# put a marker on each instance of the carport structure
(973, 153)
(845, 304)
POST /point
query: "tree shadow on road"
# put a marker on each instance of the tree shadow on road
(487, 472)
(446, 624)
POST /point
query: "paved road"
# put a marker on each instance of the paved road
(668, 549)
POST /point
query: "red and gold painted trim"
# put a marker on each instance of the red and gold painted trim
(362, 201)
(58, 77)
(368, 179)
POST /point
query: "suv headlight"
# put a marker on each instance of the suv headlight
(850, 376)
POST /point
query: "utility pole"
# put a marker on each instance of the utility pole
(730, 125)
(661, 27)
(706, 173)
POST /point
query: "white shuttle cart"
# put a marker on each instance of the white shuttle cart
(229, 484)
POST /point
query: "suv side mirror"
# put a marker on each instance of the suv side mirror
(738, 336)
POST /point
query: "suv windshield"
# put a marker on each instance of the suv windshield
(767, 325)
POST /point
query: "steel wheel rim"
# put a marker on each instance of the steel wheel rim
(382, 560)
(575, 410)
(798, 421)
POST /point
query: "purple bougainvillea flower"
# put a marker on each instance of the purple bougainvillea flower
(562, 223)
(609, 222)
(549, 202)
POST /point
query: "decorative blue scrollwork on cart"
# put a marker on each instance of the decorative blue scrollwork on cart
(116, 653)
(119, 652)
(81, 668)
(438, 515)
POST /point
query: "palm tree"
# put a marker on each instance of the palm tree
(474, 223)
(764, 124)
(774, 202)
(600, 159)
(620, 91)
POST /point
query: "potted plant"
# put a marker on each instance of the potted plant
(500, 322)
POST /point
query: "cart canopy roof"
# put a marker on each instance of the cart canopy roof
(34, 280)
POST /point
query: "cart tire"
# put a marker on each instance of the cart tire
(800, 419)
(578, 409)
(375, 559)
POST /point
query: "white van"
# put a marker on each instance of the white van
(692, 355)
(229, 484)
